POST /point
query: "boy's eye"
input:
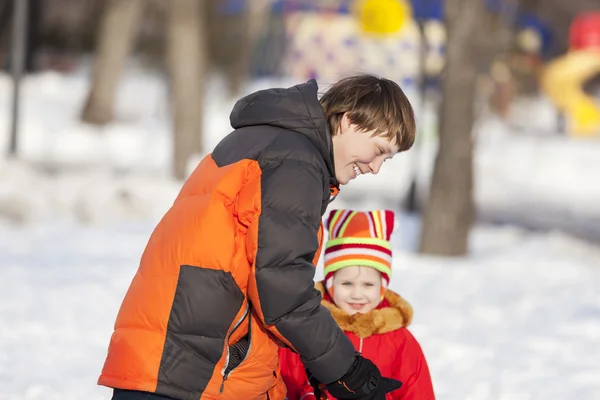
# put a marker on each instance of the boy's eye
(369, 285)
(380, 152)
(346, 283)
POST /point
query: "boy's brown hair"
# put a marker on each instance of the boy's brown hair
(373, 104)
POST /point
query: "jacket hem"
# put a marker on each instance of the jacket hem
(118, 383)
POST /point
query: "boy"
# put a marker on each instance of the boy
(227, 275)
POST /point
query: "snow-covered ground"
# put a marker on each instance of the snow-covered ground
(517, 319)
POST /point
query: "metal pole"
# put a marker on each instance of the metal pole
(17, 62)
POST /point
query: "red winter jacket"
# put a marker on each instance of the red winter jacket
(380, 336)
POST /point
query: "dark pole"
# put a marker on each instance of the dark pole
(411, 201)
(17, 62)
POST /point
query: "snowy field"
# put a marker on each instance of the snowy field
(519, 319)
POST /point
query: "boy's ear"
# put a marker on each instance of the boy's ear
(345, 122)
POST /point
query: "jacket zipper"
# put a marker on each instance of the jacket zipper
(360, 345)
(237, 324)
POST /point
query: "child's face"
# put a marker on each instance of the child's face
(357, 289)
(356, 153)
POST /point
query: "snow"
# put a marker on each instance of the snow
(519, 318)
(534, 179)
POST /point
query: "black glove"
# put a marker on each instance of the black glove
(363, 381)
(318, 387)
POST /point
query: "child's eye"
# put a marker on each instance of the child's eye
(346, 284)
(369, 285)
(381, 152)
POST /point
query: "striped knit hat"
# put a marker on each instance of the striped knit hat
(359, 238)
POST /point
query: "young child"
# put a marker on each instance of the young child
(358, 258)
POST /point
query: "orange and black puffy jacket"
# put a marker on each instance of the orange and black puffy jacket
(227, 274)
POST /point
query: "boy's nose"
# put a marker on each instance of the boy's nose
(375, 166)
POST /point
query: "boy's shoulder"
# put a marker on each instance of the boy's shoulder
(268, 144)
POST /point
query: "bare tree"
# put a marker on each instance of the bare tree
(450, 209)
(241, 31)
(186, 59)
(255, 18)
(117, 34)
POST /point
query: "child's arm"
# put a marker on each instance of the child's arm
(411, 369)
(294, 376)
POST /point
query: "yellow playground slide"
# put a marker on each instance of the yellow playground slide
(563, 80)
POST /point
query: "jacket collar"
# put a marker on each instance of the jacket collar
(395, 313)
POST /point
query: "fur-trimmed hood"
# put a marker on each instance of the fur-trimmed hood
(381, 320)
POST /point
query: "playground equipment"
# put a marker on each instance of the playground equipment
(328, 45)
(382, 16)
(563, 79)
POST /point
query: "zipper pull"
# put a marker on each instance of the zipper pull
(222, 384)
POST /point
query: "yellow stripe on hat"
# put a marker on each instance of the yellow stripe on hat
(380, 266)
(343, 228)
(359, 240)
(378, 227)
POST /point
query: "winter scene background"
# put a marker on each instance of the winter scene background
(515, 318)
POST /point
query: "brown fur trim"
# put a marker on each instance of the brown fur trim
(397, 315)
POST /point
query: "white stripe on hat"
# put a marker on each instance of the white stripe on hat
(358, 251)
(371, 219)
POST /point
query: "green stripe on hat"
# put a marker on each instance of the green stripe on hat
(384, 268)
(358, 240)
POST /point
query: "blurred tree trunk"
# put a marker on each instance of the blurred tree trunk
(450, 209)
(117, 34)
(186, 59)
(256, 17)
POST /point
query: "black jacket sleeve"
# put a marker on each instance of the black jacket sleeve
(281, 288)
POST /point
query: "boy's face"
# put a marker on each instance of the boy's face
(357, 289)
(357, 153)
